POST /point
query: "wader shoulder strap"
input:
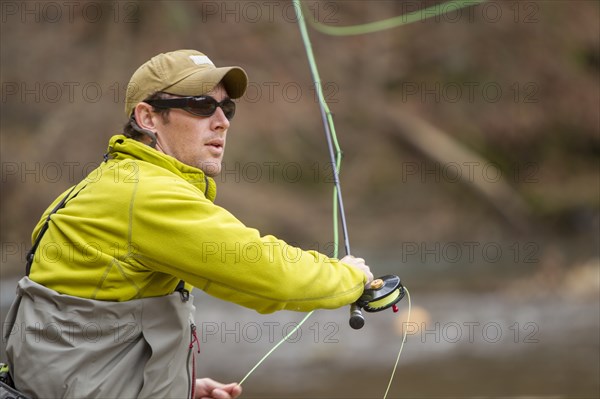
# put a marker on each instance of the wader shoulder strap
(31, 253)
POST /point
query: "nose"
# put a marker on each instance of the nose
(219, 120)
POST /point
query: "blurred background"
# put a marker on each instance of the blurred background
(471, 169)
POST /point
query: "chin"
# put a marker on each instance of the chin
(210, 169)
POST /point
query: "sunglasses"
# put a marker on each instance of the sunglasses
(198, 105)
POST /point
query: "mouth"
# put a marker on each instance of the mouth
(216, 146)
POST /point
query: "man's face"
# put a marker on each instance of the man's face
(195, 140)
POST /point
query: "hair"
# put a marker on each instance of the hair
(130, 131)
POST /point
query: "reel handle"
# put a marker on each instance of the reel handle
(357, 320)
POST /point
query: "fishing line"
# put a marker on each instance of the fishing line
(401, 345)
(394, 22)
(275, 347)
(389, 299)
(335, 153)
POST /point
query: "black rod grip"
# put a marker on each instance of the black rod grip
(357, 321)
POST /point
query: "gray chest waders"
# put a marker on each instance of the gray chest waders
(62, 346)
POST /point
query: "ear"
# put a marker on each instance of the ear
(144, 116)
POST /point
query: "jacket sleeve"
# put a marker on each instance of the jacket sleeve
(177, 231)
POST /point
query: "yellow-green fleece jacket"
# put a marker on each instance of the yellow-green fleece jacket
(142, 221)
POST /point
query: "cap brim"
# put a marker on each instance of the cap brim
(201, 82)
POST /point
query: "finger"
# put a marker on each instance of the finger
(219, 393)
(236, 390)
(229, 387)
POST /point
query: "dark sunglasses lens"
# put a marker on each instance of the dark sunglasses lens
(228, 108)
(205, 106)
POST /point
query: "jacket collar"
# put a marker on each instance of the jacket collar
(121, 147)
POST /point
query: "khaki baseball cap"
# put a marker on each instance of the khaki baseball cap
(182, 73)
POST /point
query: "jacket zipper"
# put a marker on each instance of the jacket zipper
(206, 186)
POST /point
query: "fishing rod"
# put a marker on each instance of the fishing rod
(384, 292)
(381, 293)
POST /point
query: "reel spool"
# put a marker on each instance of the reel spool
(383, 293)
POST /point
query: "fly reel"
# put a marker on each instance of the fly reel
(383, 293)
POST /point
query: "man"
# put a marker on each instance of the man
(106, 310)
